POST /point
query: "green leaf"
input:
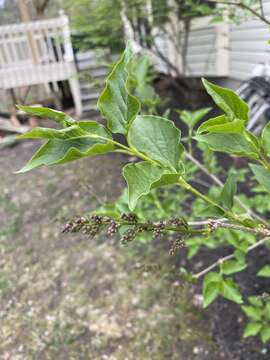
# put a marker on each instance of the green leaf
(254, 313)
(222, 124)
(73, 131)
(213, 122)
(210, 293)
(265, 333)
(265, 271)
(256, 301)
(227, 100)
(232, 266)
(191, 118)
(232, 143)
(142, 177)
(266, 311)
(262, 175)
(230, 291)
(138, 69)
(210, 211)
(266, 138)
(240, 254)
(228, 192)
(252, 329)
(60, 151)
(115, 103)
(46, 113)
(211, 288)
(158, 139)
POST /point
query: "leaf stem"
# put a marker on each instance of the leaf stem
(228, 214)
(127, 150)
(249, 211)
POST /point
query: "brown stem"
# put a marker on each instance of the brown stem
(261, 7)
(229, 257)
(157, 52)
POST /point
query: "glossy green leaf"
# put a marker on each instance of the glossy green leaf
(252, 312)
(252, 329)
(228, 192)
(232, 266)
(231, 143)
(222, 124)
(158, 139)
(142, 177)
(60, 151)
(227, 100)
(265, 333)
(115, 103)
(46, 113)
(73, 131)
(266, 138)
(210, 293)
(211, 288)
(230, 291)
(265, 271)
(208, 124)
(261, 175)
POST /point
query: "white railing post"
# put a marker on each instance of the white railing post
(222, 49)
(68, 51)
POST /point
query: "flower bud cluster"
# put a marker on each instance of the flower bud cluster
(129, 217)
(178, 222)
(90, 226)
(159, 227)
(178, 244)
(94, 224)
(130, 234)
(113, 228)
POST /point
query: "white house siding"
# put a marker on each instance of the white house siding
(249, 46)
(201, 54)
(208, 49)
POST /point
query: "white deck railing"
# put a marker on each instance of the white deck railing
(38, 52)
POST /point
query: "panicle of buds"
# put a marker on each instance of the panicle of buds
(94, 224)
(179, 243)
(74, 226)
(129, 235)
(90, 226)
(113, 228)
(129, 217)
(158, 228)
(178, 222)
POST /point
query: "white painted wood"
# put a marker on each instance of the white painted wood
(38, 52)
(208, 49)
(221, 50)
(249, 46)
